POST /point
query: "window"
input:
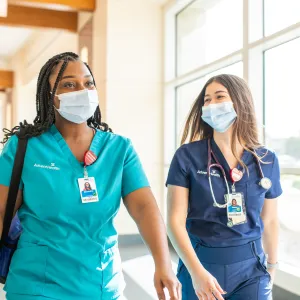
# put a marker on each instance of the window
(207, 31)
(185, 97)
(282, 102)
(280, 14)
(289, 220)
(282, 133)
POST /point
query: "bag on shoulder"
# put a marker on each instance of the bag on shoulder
(12, 228)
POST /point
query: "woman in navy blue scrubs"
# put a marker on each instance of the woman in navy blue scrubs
(225, 253)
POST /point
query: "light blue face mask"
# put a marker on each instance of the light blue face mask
(219, 116)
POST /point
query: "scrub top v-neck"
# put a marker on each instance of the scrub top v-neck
(67, 153)
(208, 224)
(68, 249)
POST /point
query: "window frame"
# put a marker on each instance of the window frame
(288, 276)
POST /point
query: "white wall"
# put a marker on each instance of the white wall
(83, 18)
(3, 64)
(2, 114)
(27, 63)
(26, 109)
(133, 83)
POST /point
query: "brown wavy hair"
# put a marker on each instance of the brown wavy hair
(245, 130)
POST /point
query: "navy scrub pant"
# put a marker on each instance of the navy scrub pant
(241, 271)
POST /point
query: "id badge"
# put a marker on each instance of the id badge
(236, 209)
(88, 190)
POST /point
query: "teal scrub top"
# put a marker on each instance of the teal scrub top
(68, 250)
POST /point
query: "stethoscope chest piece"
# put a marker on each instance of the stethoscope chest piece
(266, 183)
(230, 224)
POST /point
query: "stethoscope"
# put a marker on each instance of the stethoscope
(265, 182)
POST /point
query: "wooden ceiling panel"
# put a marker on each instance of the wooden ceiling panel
(78, 5)
(37, 17)
(6, 79)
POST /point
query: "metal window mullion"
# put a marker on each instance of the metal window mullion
(206, 69)
(278, 38)
(290, 171)
(246, 40)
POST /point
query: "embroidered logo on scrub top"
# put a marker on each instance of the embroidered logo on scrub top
(51, 167)
(213, 173)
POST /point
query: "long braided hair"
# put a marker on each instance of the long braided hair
(45, 101)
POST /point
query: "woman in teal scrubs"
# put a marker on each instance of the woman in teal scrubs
(69, 246)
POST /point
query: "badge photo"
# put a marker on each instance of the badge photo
(236, 210)
(88, 190)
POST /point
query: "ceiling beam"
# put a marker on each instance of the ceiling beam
(6, 79)
(37, 17)
(79, 5)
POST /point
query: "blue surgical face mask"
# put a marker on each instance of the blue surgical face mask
(219, 116)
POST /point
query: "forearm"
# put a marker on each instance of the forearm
(153, 231)
(183, 246)
(270, 240)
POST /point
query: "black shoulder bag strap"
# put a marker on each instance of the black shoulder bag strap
(14, 187)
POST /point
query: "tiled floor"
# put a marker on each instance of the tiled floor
(138, 268)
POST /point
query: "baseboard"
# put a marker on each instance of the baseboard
(282, 294)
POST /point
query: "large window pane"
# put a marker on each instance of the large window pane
(187, 94)
(289, 207)
(185, 97)
(235, 69)
(255, 26)
(280, 14)
(208, 30)
(282, 105)
(283, 135)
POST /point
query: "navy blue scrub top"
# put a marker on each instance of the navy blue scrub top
(206, 223)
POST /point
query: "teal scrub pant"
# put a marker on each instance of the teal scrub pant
(31, 297)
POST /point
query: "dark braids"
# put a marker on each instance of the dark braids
(45, 101)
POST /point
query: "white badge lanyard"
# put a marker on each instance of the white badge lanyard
(217, 165)
(236, 175)
(87, 185)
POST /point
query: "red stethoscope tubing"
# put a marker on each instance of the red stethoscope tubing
(218, 165)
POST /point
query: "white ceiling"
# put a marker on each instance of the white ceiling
(12, 39)
(3, 64)
(162, 2)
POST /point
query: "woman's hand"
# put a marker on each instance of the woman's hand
(272, 272)
(206, 286)
(165, 278)
(143, 208)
